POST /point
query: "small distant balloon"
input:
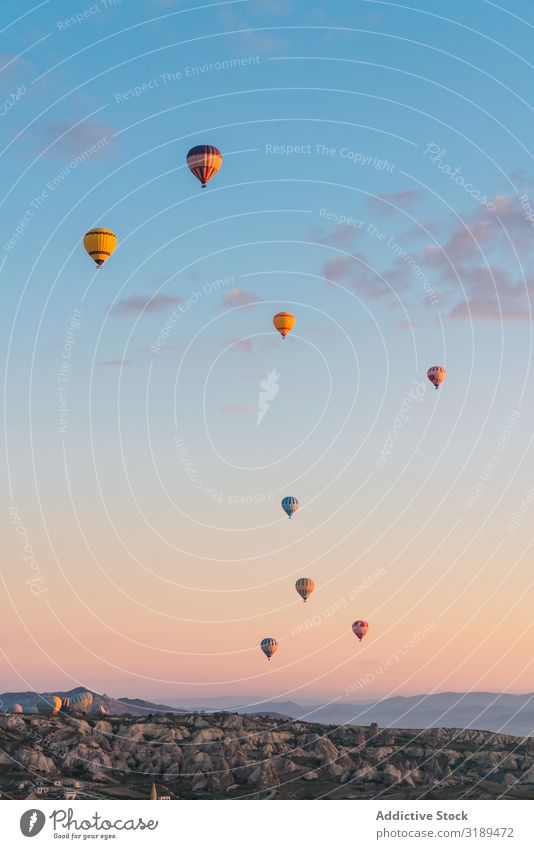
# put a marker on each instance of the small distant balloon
(304, 587)
(268, 646)
(436, 375)
(360, 628)
(204, 161)
(99, 244)
(102, 709)
(284, 322)
(290, 505)
(16, 708)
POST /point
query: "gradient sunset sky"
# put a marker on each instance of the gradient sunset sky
(378, 183)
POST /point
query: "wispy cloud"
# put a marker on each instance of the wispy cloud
(257, 14)
(239, 344)
(481, 254)
(353, 272)
(389, 204)
(67, 138)
(12, 66)
(340, 237)
(136, 304)
(239, 298)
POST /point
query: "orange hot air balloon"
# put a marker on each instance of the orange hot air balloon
(57, 704)
(304, 587)
(360, 628)
(204, 161)
(436, 375)
(99, 244)
(284, 322)
(268, 646)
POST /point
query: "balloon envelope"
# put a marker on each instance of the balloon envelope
(304, 587)
(436, 375)
(284, 322)
(16, 708)
(268, 646)
(290, 504)
(360, 628)
(99, 244)
(204, 161)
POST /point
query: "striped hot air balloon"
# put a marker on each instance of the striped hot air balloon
(284, 322)
(82, 701)
(204, 161)
(290, 505)
(268, 646)
(360, 628)
(436, 375)
(304, 587)
(99, 244)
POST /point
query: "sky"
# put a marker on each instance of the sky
(377, 182)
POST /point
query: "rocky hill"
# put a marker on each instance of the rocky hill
(229, 755)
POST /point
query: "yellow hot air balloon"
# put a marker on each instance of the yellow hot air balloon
(304, 587)
(284, 322)
(99, 244)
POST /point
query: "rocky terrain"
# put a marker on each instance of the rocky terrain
(228, 755)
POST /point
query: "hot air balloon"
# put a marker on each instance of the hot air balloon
(304, 587)
(46, 703)
(436, 375)
(102, 709)
(284, 322)
(268, 646)
(82, 701)
(290, 504)
(99, 244)
(204, 161)
(57, 704)
(16, 708)
(360, 628)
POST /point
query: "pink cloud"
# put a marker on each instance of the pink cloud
(69, 139)
(137, 304)
(240, 344)
(385, 204)
(354, 273)
(239, 298)
(492, 295)
(340, 237)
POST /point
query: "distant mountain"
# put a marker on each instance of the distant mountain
(149, 707)
(501, 712)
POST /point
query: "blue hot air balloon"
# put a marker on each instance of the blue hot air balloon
(290, 504)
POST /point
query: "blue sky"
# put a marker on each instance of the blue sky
(415, 124)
